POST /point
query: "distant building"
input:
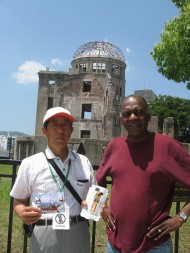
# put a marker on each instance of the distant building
(148, 94)
(3, 143)
(6, 146)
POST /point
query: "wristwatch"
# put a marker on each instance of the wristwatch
(183, 216)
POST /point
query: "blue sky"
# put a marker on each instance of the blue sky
(46, 33)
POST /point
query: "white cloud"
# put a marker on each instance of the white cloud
(128, 50)
(58, 62)
(28, 72)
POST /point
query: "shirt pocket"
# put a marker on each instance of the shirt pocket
(81, 186)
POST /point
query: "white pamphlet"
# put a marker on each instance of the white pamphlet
(96, 197)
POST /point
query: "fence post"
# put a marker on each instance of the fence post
(9, 240)
(93, 236)
(177, 231)
(25, 244)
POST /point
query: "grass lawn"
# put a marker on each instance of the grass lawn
(17, 237)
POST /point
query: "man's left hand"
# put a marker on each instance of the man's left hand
(166, 227)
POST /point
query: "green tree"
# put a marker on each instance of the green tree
(172, 54)
(180, 3)
(179, 109)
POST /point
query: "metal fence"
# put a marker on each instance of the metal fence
(180, 196)
(12, 176)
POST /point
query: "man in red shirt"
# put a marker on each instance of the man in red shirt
(144, 167)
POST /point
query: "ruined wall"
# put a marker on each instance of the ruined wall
(27, 146)
(95, 109)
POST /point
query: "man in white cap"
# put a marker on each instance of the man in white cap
(53, 209)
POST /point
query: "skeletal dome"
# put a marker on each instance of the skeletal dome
(99, 49)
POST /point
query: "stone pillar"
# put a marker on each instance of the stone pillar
(168, 126)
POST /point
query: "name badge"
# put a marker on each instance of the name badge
(60, 220)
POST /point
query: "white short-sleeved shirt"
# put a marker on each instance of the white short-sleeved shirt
(34, 177)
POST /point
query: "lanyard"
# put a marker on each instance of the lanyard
(53, 176)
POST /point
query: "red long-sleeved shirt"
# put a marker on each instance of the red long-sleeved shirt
(143, 176)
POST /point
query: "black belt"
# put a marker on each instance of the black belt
(74, 219)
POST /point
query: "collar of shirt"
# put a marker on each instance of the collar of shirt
(51, 155)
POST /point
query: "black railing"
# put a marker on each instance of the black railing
(180, 196)
(12, 176)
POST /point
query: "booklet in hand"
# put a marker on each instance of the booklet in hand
(96, 197)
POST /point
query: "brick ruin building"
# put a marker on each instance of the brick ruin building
(92, 91)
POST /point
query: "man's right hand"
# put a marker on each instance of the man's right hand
(108, 218)
(28, 214)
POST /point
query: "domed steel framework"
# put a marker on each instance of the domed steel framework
(99, 49)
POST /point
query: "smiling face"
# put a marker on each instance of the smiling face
(58, 132)
(135, 118)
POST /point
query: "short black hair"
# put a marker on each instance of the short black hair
(45, 124)
(135, 96)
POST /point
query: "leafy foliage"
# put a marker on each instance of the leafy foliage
(179, 109)
(172, 54)
(180, 3)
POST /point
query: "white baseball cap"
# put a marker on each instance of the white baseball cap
(58, 111)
